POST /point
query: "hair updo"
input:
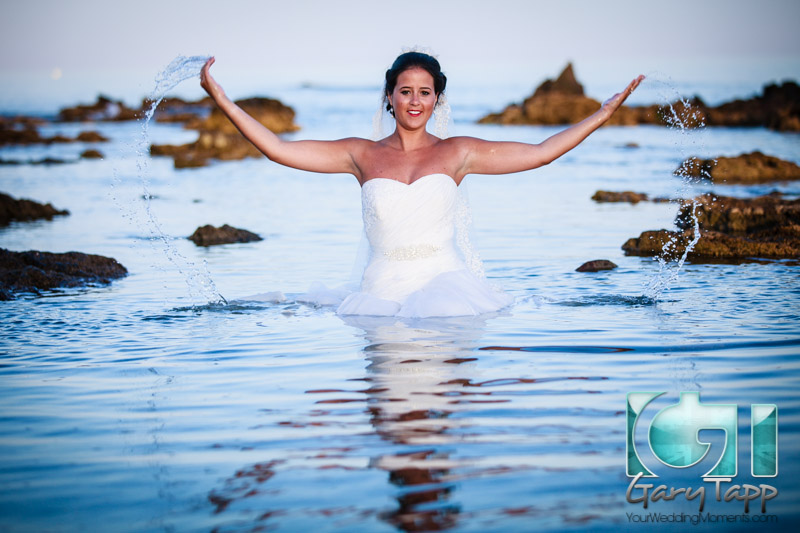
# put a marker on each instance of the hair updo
(410, 60)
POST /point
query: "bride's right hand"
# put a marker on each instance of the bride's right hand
(208, 82)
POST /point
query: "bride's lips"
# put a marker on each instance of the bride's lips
(415, 113)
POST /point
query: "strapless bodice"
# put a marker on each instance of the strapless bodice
(406, 221)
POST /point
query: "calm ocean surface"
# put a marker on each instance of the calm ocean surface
(139, 407)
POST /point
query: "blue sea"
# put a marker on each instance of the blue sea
(146, 406)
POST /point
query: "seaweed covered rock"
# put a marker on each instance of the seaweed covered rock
(12, 209)
(219, 138)
(731, 229)
(208, 235)
(34, 271)
(746, 169)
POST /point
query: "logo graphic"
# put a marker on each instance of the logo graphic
(674, 437)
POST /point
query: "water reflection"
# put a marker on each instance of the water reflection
(417, 372)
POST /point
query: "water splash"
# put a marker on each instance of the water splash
(198, 279)
(688, 123)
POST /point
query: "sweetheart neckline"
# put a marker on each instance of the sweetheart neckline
(413, 182)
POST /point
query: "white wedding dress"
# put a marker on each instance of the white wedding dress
(416, 268)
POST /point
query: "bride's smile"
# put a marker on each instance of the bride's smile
(413, 99)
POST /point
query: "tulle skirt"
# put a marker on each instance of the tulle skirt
(455, 293)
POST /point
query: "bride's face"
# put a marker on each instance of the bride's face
(413, 98)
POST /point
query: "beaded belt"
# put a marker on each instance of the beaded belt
(411, 253)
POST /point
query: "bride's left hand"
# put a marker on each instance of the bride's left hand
(614, 103)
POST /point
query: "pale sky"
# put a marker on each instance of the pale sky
(353, 41)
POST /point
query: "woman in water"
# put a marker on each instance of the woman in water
(409, 180)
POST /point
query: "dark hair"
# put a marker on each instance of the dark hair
(413, 60)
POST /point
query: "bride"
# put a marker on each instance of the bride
(409, 181)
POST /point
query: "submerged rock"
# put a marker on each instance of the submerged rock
(730, 229)
(208, 235)
(596, 266)
(219, 138)
(34, 271)
(745, 169)
(12, 209)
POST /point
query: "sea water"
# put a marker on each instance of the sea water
(130, 407)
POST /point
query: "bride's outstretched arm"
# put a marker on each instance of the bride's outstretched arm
(315, 156)
(488, 157)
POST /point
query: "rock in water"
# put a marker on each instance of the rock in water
(745, 169)
(22, 209)
(596, 266)
(732, 229)
(219, 138)
(34, 271)
(624, 196)
(91, 154)
(105, 109)
(208, 235)
(562, 101)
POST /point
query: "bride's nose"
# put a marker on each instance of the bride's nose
(414, 98)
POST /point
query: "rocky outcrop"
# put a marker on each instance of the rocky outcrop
(625, 196)
(104, 109)
(562, 101)
(10, 134)
(747, 169)
(219, 138)
(777, 108)
(596, 266)
(12, 209)
(23, 130)
(208, 235)
(33, 271)
(730, 229)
